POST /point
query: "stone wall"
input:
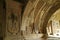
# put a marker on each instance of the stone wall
(34, 19)
(2, 19)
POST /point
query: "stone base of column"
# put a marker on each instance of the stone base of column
(44, 36)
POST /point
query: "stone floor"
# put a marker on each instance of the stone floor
(37, 37)
(45, 39)
(55, 38)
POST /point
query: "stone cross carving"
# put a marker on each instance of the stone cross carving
(13, 29)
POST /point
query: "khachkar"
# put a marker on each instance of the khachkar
(13, 23)
(13, 20)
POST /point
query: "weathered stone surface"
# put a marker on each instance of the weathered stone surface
(34, 19)
(13, 20)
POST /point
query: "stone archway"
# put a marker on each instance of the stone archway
(47, 16)
(40, 17)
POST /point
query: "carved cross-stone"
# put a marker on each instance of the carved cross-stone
(12, 25)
